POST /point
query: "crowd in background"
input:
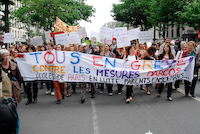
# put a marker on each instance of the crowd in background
(13, 83)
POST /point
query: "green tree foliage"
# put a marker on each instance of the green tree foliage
(191, 14)
(133, 12)
(163, 14)
(43, 13)
(157, 13)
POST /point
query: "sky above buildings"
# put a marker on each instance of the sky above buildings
(102, 14)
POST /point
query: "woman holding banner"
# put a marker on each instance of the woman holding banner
(120, 53)
(190, 86)
(166, 55)
(139, 53)
(108, 53)
(149, 55)
(34, 84)
(58, 85)
(132, 57)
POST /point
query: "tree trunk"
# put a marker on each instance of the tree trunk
(6, 18)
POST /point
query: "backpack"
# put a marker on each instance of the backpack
(8, 116)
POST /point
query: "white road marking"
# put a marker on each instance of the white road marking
(95, 118)
(183, 92)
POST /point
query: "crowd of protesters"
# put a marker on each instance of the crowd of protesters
(169, 50)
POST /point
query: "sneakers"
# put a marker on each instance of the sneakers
(48, 92)
(110, 94)
(52, 93)
(101, 92)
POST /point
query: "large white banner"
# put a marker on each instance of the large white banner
(79, 67)
(8, 38)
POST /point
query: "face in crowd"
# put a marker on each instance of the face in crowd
(106, 47)
(167, 40)
(85, 48)
(190, 46)
(166, 48)
(49, 48)
(58, 48)
(6, 57)
(132, 50)
(114, 42)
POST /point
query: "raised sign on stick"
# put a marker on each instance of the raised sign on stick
(62, 39)
(8, 38)
(123, 41)
(145, 36)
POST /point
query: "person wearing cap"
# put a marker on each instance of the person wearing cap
(86, 50)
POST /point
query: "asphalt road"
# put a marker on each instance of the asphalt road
(111, 115)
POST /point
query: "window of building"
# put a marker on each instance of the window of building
(172, 31)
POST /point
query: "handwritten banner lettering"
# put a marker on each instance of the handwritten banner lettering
(64, 27)
(79, 67)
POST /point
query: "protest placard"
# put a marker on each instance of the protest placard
(79, 67)
(62, 39)
(106, 33)
(107, 41)
(145, 36)
(123, 41)
(82, 32)
(120, 31)
(95, 34)
(36, 41)
(8, 38)
(48, 36)
(134, 34)
(74, 38)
